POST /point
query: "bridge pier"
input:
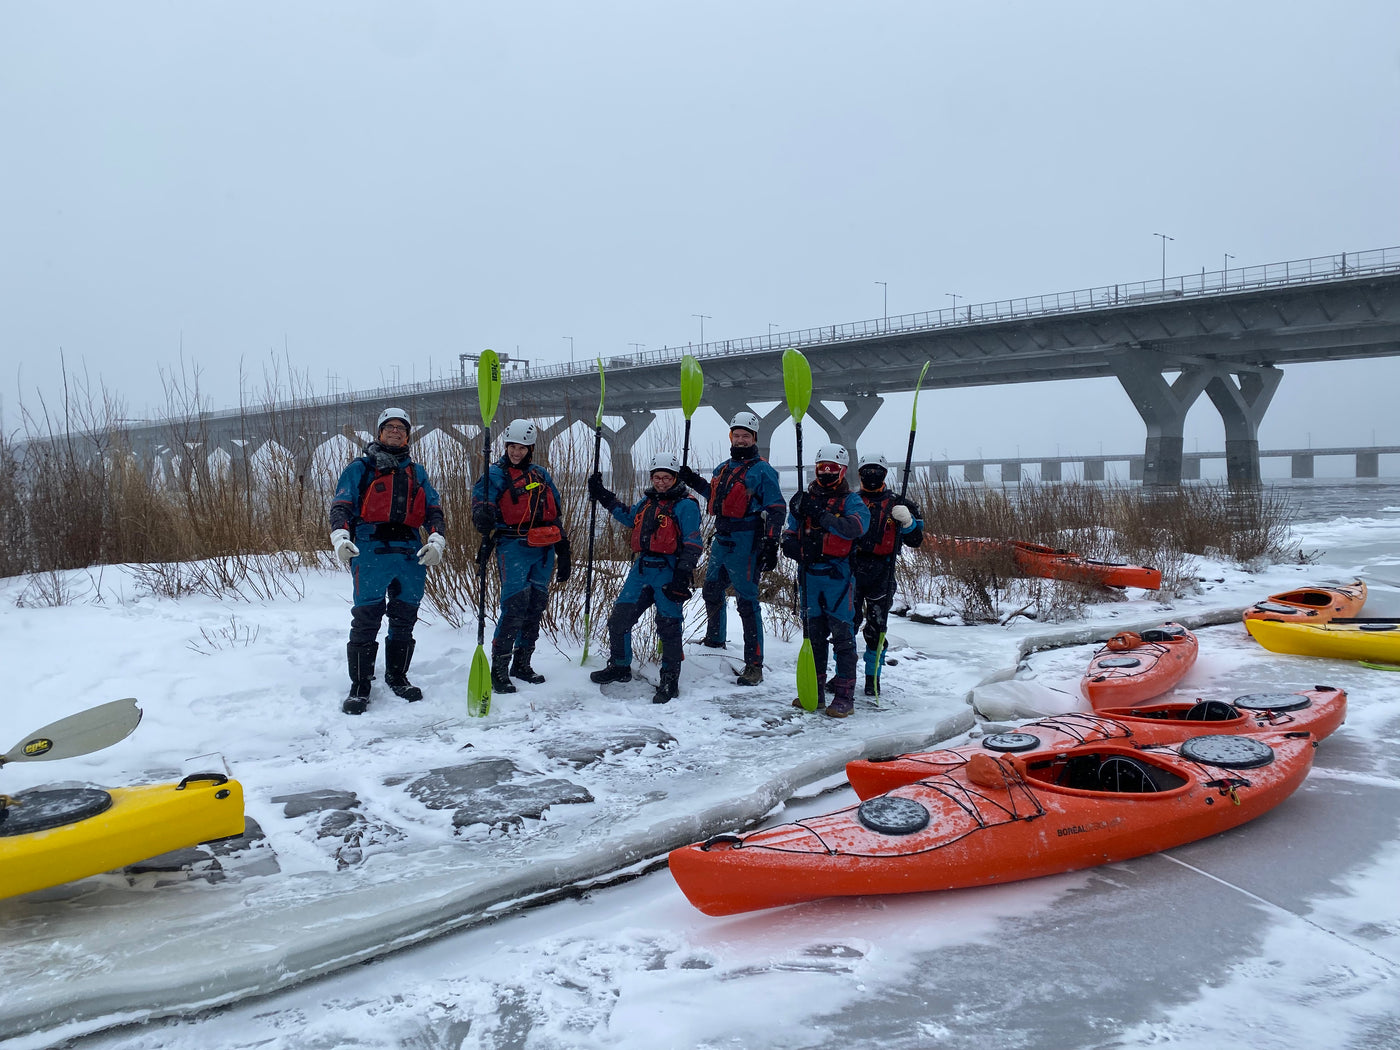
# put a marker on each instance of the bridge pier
(621, 440)
(1368, 465)
(1163, 407)
(1010, 470)
(847, 430)
(729, 404)
(973, 472)
(1050, 470)
(1242, 405)
(1300, 467)
(1094, 469)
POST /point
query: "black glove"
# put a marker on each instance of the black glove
(604, 496)
(798, 504)
(484, 517)
(563, 561)
(678, 590)
(768, 556)
(694, 480)
(828, 521)
(791, 547)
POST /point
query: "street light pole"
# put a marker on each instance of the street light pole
(1224, 275)
(703, 319)
(886, 286)
(1165, 239)
(954, 297)
(571, 348)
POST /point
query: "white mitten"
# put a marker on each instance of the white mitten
(431, 552)
(344, 549)
(901, 515)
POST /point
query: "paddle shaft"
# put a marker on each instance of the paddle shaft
(592, 524)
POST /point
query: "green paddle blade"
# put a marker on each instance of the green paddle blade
(79, 734)
(488, 384)
(1379, 667)
(587, 637)
(602, 389)
(914, 417)
(808, 690)
(479, 685)
(692, 385)
(797, 383)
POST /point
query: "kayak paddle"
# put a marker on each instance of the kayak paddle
(797, 385)
(592, 519)
(79, 734)
(692, 387)
(894, 558)
(488, 392)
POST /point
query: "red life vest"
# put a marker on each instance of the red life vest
(816, 541)
(528, 499)
(880, 538)
(655, 529)
(729, 496)
(394, 497)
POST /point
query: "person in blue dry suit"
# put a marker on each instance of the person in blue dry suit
(894, 523)
(382, 502)
(744, 499)
(823, 524)
(665, 526)
(520, 521)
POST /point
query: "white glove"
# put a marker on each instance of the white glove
(901, 515)
(431, 552)
(344, 549)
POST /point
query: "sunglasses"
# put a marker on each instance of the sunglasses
(394, 426)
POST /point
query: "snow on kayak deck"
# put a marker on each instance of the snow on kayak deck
(412, 820)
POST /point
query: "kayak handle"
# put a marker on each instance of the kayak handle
(726, 839)
(214, 778)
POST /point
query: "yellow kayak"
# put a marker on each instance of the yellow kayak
(48, 837)
(1343, 639)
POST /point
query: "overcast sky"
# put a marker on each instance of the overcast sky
(369, 189)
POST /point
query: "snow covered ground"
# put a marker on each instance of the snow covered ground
(1283, 933)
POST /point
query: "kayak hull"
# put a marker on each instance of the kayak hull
(1310, 604)
(1319, 711)
(995, 820)
(1122, 677)
(139, 823)
(1033, 559)
(1372, 640)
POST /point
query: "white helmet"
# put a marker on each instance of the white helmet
(392, 413)
(520, 432)
(834, 454)
(667, 461)
(745, 421)
(874, 459)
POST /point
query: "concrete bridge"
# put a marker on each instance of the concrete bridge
(1228, 334)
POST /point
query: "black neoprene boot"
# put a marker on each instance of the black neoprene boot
(669, 687)
(360, 657)
(612, 673)
(500, 672)
(397, 656)
(520, 667)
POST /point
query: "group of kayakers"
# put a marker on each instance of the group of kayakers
(387, 524)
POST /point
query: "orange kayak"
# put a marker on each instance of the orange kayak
(1319, 711)
(1135, 667)
(1034, 559)
(1000, 818)
(1310, 604)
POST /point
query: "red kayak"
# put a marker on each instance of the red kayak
(1135, 667)
(1319, 711)
(1034, 559)
(999, 818)
(1310, 604)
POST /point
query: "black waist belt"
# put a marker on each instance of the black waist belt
(726, 526)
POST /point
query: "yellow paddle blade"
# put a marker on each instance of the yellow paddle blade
(808, 690)
(479, 685)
